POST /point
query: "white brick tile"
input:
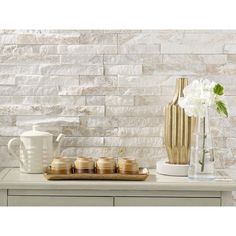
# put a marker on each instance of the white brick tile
(8, 69)
(142, 132)
(131, 59)
(8, 59)
(37, 59)
(152, 100)
(192, 48)
(119, 100)
(194, 59)
(72, 70)
(230, 48)
(82, 59)
(52, 110)
(7, 120)
(7, 80)
(81, 90)
(7, 39)
(133, 142)
(151, 37)
(80, 131)
(83, 142)
(95, 100)
(47, 80)
(141, 81)
(139, 49)
(133, 111)
(174, 69)
(28, 90)
(98, 81)
(87, 49)
(47, 120)
(139, 91)
(123, 69)
(100, 122)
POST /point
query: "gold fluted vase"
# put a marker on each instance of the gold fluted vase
(178, 128)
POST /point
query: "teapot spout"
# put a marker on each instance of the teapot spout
(57, 144)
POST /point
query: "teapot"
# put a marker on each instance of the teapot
(37, 149)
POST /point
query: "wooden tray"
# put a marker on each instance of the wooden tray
(143, 174)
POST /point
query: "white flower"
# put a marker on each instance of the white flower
(198, 95)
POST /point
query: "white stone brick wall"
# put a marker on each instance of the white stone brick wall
(106, 89)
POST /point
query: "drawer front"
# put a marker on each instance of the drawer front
(166, 201)
(59, 201)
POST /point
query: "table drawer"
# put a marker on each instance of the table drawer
(59, 201)
(166, 201)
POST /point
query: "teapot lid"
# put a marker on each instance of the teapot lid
(36, 132)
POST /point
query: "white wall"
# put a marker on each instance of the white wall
(106, 90)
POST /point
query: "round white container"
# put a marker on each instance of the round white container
(164, 168)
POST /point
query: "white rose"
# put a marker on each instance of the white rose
(198, 95)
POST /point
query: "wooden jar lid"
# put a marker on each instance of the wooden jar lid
(127, 161)
(127, 164)
(61, 165)
(84, 163)
(106, 163)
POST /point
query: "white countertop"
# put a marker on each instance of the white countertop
(12, 178)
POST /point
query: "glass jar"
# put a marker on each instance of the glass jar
(84, 165)
(61, 165)
(106, 165)
(128, 166)
(202, 166)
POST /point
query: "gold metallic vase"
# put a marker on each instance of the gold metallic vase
(178, 128)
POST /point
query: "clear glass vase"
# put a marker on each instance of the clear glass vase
(202, 166)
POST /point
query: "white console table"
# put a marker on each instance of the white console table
(18, 189)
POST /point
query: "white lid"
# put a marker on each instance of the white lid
(36, 132)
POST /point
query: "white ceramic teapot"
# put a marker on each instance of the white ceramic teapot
(37, 150)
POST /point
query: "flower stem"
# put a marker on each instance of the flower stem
(203, 145)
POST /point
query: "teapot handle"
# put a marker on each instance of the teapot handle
(59, 140)
(11, 150)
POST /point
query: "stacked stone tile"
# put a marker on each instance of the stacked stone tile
(105, 90)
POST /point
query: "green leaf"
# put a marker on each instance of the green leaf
(219, 89)
(221, 108)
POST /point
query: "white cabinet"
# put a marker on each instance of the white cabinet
(19, 189)
(166, 201)
(3, 197)
(59, 201)
(110, 201)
